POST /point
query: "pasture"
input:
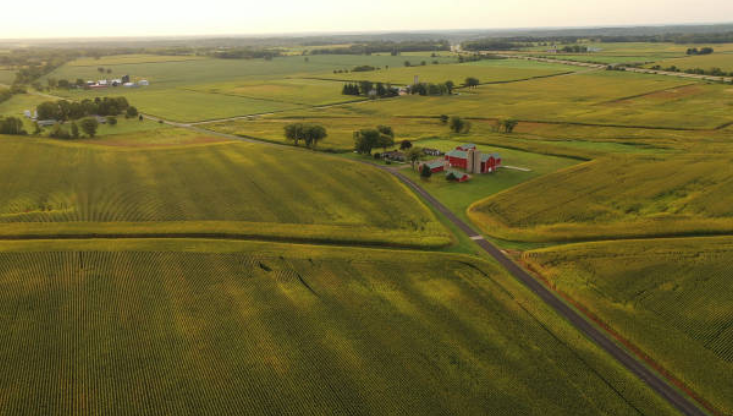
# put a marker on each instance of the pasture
(55, 188)
(196, 327)
(669, 297)
(106, 61)
(293, 91)
(616, 197)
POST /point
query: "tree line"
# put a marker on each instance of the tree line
(702, 51)
(367, 88)
(63, 110)
(368, 48)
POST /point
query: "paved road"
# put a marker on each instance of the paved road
(656, 382)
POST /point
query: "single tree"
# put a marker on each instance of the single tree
(112, 121)
(450, 85)
(74, 130)
(131, 112)
(365, 140)
(405, 144)
(457, 124)
(294, 132)
(414, 155)
(509, 125)
(472, 82)
(89, 126)
(444, 119)
(312, 134)
(425, 172)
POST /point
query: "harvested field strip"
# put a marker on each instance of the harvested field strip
(167, 328)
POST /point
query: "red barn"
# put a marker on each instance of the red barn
(457, 176)
(434, 165)
(467, 157)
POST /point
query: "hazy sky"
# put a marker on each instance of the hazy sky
(73, 18)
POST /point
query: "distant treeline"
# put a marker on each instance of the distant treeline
(245, 53)
(518, 42)
(382, 47)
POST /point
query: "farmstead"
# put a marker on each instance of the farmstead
(468, 157)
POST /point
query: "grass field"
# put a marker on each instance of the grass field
(340, 129)
(620, 197)
(486, 71)
(7, 76)
(56, 188)
(129, 59)
(15, 106)
(602, 59)
(723, 61)
(669, 297)
(294, 91)
(160, 327)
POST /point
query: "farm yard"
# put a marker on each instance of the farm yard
(195, 260)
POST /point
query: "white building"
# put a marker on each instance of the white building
(144, 83)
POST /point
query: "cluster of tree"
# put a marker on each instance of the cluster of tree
(12, 125)
(574, 49)
(395, 48)
(246, 53)
(367, 88)
(457, 124)
(507, 125)
(702, 51)
(491, 45)
(87, 125)
(308, 133)
(364, 68)
(432, 89)
(365, 140)
(477, 57)
(63, 110)
(471, 82)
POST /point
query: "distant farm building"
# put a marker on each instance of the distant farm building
(468, 157)
(435, 166)
(46, 123)
(432, 152)
(394, 155)
(144, 83)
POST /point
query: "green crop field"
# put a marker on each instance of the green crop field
(620, 197)
(223, 189)
(161, 327)
(487, 71)
(602, 97)
(722, 61)
(669, 297)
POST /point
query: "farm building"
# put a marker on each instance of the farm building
(457, 176)
(468, 157)
(46, 123)
(393, 155)
(434, 165)
(144, 83)
(432, 152)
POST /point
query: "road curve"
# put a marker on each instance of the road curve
(652, 379)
